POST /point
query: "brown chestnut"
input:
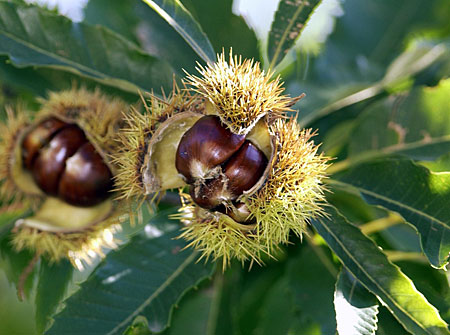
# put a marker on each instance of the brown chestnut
(218, 164)
(204, 146)
(51, 161)
(245, 168)
(65, 164)
(38, 137)
(240, 173)
(86, 179)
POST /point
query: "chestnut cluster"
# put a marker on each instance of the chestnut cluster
(218, 165)
(65, 164)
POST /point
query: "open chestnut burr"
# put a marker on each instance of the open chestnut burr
(65, 164)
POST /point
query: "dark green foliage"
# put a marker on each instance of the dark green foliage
(378, 93)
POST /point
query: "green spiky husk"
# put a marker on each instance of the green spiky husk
(100, 117)
(10, 132)
(134, 139)
(293, 193)
(291, 196)
(217, 236)
(79, 247)
(241, 92)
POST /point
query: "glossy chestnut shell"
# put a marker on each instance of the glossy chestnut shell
(65, 164)
(219, 165)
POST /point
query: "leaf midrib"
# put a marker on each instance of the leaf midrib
(50, 54)
(161, 288)
(401, 205)
(285, 33)
(373, 281)
(67, 62)
(163, 13)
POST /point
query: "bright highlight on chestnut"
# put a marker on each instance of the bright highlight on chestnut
(218, 165)
(65, 164)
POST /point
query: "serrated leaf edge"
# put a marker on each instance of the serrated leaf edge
(379, 287)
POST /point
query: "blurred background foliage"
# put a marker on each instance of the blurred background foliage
(375, 73)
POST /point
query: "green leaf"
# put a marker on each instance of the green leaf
(249, 293)
(312, 278)
(114, 14)
(37, 82)
(370, 35)
(442, 164)
(15, 262)
(420, 196)
(225, 29)
(52, 285)
(30, 36)
(370, 265)
(182, 21)
(146, 277)
(325, 100)
(141, 24)
(138, 327)
(356, 308)
(290, 19)
(16, 316)
(9, 217)
(433, 284)
(388, 325)
(197, 312)
(277, 310)
(416, 124)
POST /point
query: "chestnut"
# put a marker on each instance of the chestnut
(240, 173)
(204, 146)
(65, 164)
(37, 138)
(218, 164)
(86, 179)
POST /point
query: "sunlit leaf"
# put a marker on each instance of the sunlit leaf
(325, 100)
(30, 36)
(417, 194)
(416, 124)
(370, 265)
(356, 308)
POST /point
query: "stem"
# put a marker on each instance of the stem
(354, 98)
(24, 276)
(392, 149)
(422, 63)
(395, 256)
(380, 224)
